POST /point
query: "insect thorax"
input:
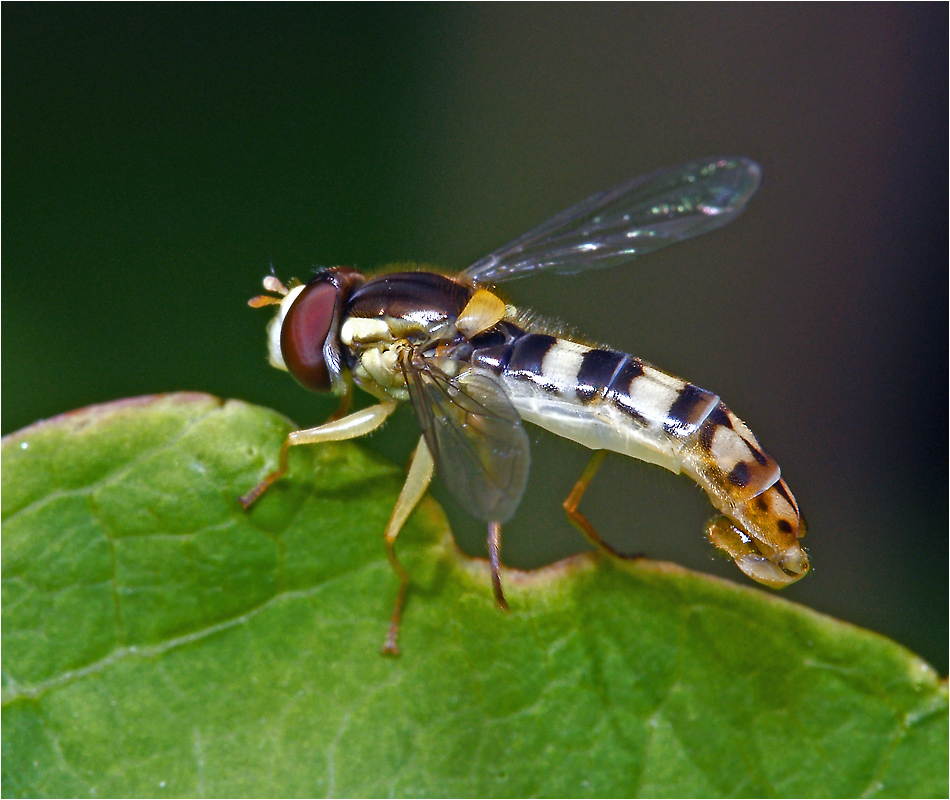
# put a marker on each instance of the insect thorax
(390, 316)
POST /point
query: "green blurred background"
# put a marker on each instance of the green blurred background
(157, 159)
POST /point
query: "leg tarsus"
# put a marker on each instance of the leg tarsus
(283, 467)
(391, 646)
(579, 520)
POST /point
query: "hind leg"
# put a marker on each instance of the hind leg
(578, 519)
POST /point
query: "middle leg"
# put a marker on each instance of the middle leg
(494, 559)
(417, 481)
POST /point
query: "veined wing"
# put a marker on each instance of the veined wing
(636, 217)
(476, 438)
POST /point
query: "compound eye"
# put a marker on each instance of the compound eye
(304, 332)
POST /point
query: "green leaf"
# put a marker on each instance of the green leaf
(158, 640)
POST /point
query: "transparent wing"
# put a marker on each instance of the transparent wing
(476, 438)
(636, 217)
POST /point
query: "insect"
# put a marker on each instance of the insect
(475, 367)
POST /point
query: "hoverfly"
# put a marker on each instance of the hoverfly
(475, 367)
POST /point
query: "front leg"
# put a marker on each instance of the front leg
(352, 426)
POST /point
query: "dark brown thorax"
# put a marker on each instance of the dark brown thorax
(424, 298)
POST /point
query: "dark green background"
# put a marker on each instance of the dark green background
(157, 160)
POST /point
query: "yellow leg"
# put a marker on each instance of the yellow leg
(577, 518)
(356, 424)
(417, 481)
(494, 558)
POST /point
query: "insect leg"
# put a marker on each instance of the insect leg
(494, 558)
(359, 423)
(346, 401)
(574, 500)
(417, 481)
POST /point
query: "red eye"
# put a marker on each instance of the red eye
(304, 333)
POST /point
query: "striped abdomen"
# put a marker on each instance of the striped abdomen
(609, 400)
